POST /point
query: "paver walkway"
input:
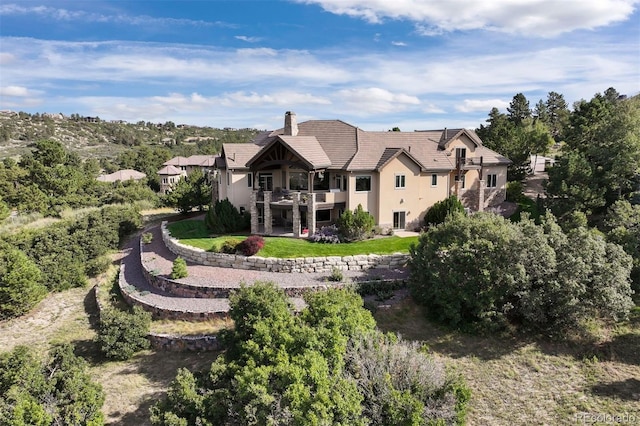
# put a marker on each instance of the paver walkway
(158, 257)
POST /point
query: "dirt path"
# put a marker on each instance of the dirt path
(53, 316)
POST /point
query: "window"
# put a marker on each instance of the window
(250, 180)
(434, 180)
(265, 181)
(400, 182)
(399, 220)
(164, 180)
(341, 182)
(492, 181)
(321, 181)
(461, 153)
(461, 179)
(363, 183)
(323, 215)
(298, 181)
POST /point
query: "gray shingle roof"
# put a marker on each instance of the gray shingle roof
(169, 171)
(237, 154)
(126, 174)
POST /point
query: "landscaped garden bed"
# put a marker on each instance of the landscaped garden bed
(194, 233)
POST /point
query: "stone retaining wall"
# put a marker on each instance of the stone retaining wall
(168, 342)
(272, 264)
(133, 297)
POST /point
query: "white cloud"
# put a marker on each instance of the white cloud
(375, 100)
(60, 14)
(6, 58)
(16, 91)
(398, 43)
(249, 39)
(530, 17)
(483, 105)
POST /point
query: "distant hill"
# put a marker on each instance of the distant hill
(92, 137)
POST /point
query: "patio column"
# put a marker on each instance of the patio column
(268, 223)
(296, 214)
(253, 210)
(311, 213)
(481, 186)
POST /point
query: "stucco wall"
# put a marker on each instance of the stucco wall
(272, 264)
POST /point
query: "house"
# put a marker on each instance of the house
(122, 175)
(179, 167)
(305, 175)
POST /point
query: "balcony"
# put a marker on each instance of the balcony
(469, 163)
(285, 197)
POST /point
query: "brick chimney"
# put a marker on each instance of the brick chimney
(290, 124)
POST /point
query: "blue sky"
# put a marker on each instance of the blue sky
(377, 64)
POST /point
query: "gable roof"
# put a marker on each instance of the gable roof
(238, 154)
(177, 161)
(337, 139)
(421, 147)
(307, 148)
(449, 135)
(391, 153)
(193, 160)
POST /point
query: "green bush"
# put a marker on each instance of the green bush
(486, 273)
(515, 191)
(179, 269)
(336, 274)
(223, 218)
(121, 334)
(440, 210)
(21, 286)
(147, 237)
(356, 225)
(229, 246)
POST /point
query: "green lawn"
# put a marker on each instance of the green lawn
(194, 233)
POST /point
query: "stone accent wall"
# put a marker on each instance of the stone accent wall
(493, 197)
(253, 211)
(272, 264)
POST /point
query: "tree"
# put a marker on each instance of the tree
(21, 285)
(189, 192)
(56, 391)
(4, 210)
(622, 224)
(602, 139)
(558, 115)
(223, 218)
(518, 109)
(280, 368)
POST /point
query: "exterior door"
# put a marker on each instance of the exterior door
(398, 220)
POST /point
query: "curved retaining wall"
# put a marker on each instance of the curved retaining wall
(168, 342)
(272, 264)
(132, 297)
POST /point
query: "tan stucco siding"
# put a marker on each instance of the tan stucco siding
(237, 190)
(462, 142)
(432, 194)
(407, 199)
(498, 194)
(368, 199)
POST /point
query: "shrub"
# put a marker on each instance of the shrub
(514, 191)
(223, 218)
(251, 245)
(179, 269)
(336, 274)
(230, 246)
(440, 210)
(147, 237)
(21, 285)
(326, 235)
(121, 334)
(356, 225)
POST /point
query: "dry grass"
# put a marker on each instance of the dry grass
(526, 381)
(187, 328)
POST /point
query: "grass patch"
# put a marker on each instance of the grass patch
(526, 205)
(194, 233)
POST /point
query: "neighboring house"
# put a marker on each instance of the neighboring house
(540, 163)
(122, 175)
(307, 174)
(178, 167)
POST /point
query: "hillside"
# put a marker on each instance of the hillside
(91, 137)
